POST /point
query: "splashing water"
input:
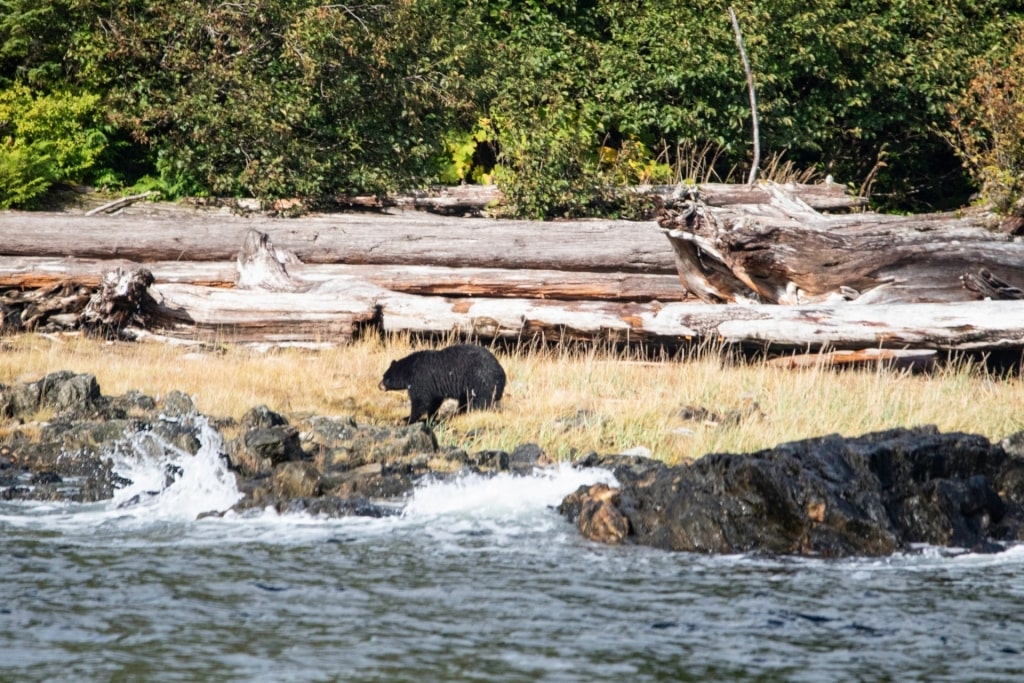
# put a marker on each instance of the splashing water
(502, 495)
(165, 484)
(174, 484)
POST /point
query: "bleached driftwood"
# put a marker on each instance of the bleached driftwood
(25, 273)
(426, 276)
(334, 314)
(118, 204)
(784, 252)
(407, 238)
(476, 200)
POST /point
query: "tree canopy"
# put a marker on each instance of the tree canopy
(561, 103)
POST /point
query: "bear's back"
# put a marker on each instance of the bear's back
(475, 368)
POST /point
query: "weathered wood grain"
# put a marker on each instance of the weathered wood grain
(403, 238)
(36, 272)
(786, 253)
(478, 199)
(332, 312)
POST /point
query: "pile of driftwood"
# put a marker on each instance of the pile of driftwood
(747, 265)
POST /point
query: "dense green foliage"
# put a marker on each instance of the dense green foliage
(281, 98)
(988, 128)
(45, 139)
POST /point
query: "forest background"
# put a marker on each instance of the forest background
(918, 104)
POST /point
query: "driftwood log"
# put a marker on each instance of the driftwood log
(335, 312)
(25, 273)
(218, 276)
(406, 238)
(784, 252)
(477, 199)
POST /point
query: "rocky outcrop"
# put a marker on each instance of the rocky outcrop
(830, 496)
(59, 436)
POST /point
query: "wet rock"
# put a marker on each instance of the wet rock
(267, 440)
(830, 496)
(490, 461)
(595, 510)
(42, 478)
(370, 481)
(176, 433)
(68, 456)
(525, 457)
(274, 445)
(621, 465)
(90, 436)
(331, 506)
(297, 480)
(320, 465)
(344, 445)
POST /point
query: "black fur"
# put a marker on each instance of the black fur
(467, 373)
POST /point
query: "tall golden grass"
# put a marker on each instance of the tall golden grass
(568, 400)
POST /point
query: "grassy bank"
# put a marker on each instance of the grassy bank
(568, 401)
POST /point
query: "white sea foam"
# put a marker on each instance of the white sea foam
(501, 495)
(165, 484)
(174, 484)
(495, 505)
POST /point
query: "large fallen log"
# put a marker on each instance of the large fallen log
(206, 314)
(406, 238)
(478, 199)
(336, 309)
(784, 252)
(26, 273)
(335, 312)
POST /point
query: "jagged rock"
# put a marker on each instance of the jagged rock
(333, 506)
(344, 445)
(369, 481)
(177, 404)
(595, 510)
(67, 392)
(830, 496)
(633, 465)
(267, 440)
(321, 465)
(135, 402)
(260, 417)
(525, 457)
(490, 461)
(273, 445)
(59, 391)
(297, 480)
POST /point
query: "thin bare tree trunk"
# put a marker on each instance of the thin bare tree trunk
(753, 97)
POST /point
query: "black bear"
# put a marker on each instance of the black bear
(467, 373)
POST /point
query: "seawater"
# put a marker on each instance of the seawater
(478, 579)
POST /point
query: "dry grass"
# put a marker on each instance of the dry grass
(568, 401)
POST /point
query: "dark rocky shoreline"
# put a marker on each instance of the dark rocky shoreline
(829, 496)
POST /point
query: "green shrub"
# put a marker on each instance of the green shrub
(988, 128)
(45, 139)
(462, 163)
(279, 98)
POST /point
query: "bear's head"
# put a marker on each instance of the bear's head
(399, 375)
